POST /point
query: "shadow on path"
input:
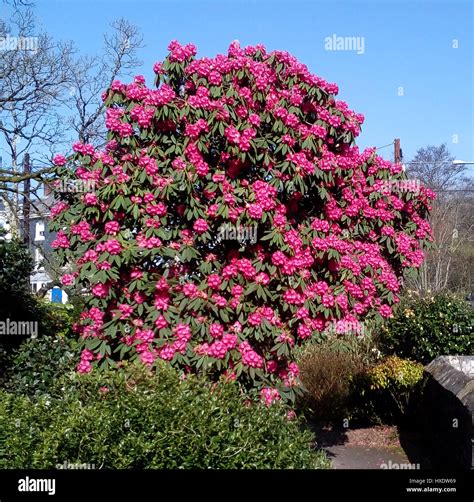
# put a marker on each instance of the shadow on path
(372, 447)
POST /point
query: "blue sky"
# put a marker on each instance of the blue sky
(407, 45)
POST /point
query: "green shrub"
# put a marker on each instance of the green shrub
(38, 363)
(112, 420)
(16, 266)
(31, 367)
(17, 303)
(425, 328)
(385, 392)
(56, 319)
(327, 372)
(345, 377)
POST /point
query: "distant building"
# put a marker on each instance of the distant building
(40, 244)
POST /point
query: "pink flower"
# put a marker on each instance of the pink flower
(183, 332)
(272, 366)
(254, 119)
(269, 396)
(112, 246)
(254, 319)
(84, 367)
(59, 208)
(216, 330)
(255, 211)
(291, 415)
(200, 226)
(214, 281)
(230, 341)
(100, 290)
(302, 313)
(147, 358)
(304, 331)
(237, 290)
(385, 311)
(180, 53)
(161, 322)
(190, 290)
(278, 258)
(59, 160)
(112, 227)
(217, 350)
(262, 278)
(220, 300)
(249, 356)
(179, 164)
(232, 135)
(90, 199)
(166, 353)
(61, 241)
(293, 369)
(67, 279)
(126, 310)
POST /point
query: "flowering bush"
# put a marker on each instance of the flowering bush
(251, 140)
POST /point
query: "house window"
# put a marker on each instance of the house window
(39, 231)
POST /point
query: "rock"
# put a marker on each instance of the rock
(448, 408)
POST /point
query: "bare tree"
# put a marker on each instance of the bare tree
(33, 77)
(38, 85)
(50, 96)
(447, 265)
(434, 166)
(91, 76)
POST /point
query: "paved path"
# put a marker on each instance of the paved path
(365, 457)
(376, 447)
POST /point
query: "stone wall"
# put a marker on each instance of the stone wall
(448, 406)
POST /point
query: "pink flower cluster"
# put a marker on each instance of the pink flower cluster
(233, 218)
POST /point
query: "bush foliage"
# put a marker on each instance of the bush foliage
(350, 379)
(389, 391)
(131, 419)
(424, 328)
(39, 363)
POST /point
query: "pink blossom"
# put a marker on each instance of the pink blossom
(216, 330)
(100, 290)
(67, 279)
(200, 226)
(214, 281)
(385, 311)
(269, 396)
(59, 160)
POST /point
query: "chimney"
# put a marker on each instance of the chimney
(46, 189)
